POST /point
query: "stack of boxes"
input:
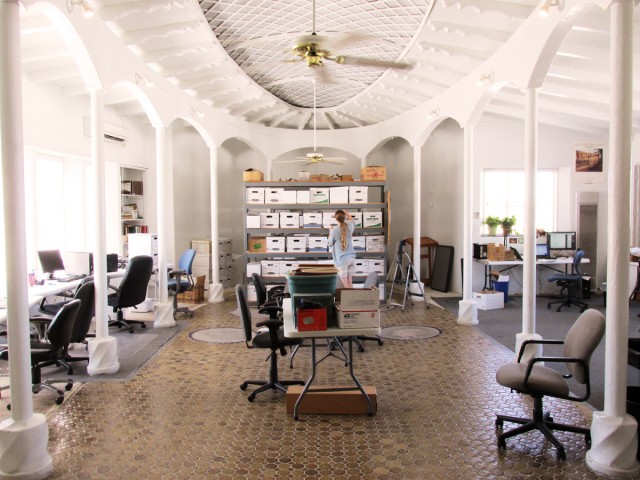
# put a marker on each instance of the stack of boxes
(203, 262)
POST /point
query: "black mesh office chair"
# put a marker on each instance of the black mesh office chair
(86, 294)
(570, 283)
(266, 297)
(539, 381)
(132, 290)
(52, 351)
(274, 340)
(181, 280)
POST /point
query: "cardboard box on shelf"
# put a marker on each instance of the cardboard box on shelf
(275, 244)
(269, 220)
(489, 300)
(303, 196)
(372, 219)
(319, 195)
(253, 221)
(346, 178)
(251, 175)
(373, 173)
(343, 402)
(318, 244)
(257, 245)
(495, 252)
(320, 178)
(312, 219)
(359, 244)
(255, 194)
(339, 195)
(296, 244)
(358, 194)
(374, 243)
(289, 220)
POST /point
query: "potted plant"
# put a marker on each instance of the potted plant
(492, 223)
(507, 224)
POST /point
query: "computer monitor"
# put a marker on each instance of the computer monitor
(557, 241)
(50, 261)
(542, 250)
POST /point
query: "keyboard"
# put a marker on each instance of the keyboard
(69, 278)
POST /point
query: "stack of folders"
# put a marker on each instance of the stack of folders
(311, 269)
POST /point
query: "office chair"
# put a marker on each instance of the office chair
(266, 297)
(52, 351)
(181, 280)
(274, 339)
(571, 283)
(131, 291)
(86, 294)
(538, 381)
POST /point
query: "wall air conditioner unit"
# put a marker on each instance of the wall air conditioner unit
(112, 132)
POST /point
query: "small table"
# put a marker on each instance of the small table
(291, 331)
(430, 244)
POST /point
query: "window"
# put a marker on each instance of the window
(503, 196)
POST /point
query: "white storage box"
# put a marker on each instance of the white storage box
(358, 194)
(288, 196)
(375, 243)
(253, 221)
(289, 220)
(303, 196)
(328, 219)
(202, 247)
(296, 244)
(358, 299)
(255, 194)
(357, 218)
(489, 300)
(287, 266)
(318, 244)
(270, 268)
(362, 267)
(338, 194)
(358, 319)
(359, 243)
(254, 267)
(269, 220)
(276, 244)
(312, 219)
(273, 195)
(376, 266)
(319, 195)
(372, 219)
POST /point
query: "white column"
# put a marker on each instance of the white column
(417, 199)
(529, 270)
(614, 435)
(164, 309)
(467, 307)
(25, 435)
(216, 289)
(103, 349)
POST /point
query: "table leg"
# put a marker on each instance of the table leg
(355, 379)
(309, 381)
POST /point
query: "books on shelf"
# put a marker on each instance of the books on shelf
(131, 228)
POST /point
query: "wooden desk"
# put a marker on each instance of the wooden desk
(429, 254)
(291, 331)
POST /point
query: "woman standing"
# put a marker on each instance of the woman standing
(344, 256)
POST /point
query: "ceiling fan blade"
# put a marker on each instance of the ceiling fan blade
(372, 62)
(293, 161)
(339, 42)
(326, 160)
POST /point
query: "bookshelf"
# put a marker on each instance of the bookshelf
(132, 205)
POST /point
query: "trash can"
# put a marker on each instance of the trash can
(501, 287)
(633, 408)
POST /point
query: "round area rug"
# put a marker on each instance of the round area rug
(409, 332)
(219, 335)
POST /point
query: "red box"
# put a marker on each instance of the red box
(312, 319)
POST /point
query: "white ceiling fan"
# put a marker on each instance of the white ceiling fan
(315, 156)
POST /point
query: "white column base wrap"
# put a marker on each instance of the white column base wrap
(216, 293)
(614, 443)
(467, 312)
(163, 315)
(531, 350)
(23, 448)
(103, 356)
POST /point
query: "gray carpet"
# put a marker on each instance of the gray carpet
(504, 324)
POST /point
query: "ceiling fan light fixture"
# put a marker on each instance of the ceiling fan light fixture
(546, 8)
(87, 10)
(484, 79)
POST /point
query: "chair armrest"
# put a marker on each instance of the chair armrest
(176, 272)
(580, 361)
(273, 325)
(113, 288)
(540, 341)
(271, 310)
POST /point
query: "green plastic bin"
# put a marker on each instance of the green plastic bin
(312, 283)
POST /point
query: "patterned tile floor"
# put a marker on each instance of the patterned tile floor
(184, 416)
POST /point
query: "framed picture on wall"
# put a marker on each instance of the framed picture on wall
(589, 162)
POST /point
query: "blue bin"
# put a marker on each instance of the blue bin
(501, 287)
(312, 283)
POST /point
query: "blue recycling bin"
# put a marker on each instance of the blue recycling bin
(501, 287)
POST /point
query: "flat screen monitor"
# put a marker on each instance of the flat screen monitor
(542, 250)
(561, 241)
(50, 261)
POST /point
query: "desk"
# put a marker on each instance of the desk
(51, 288)
(291, 331)
(509, 264)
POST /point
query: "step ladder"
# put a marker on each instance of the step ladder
(405, 274)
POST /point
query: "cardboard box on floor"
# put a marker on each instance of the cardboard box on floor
(196, 295)
(350, 402)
